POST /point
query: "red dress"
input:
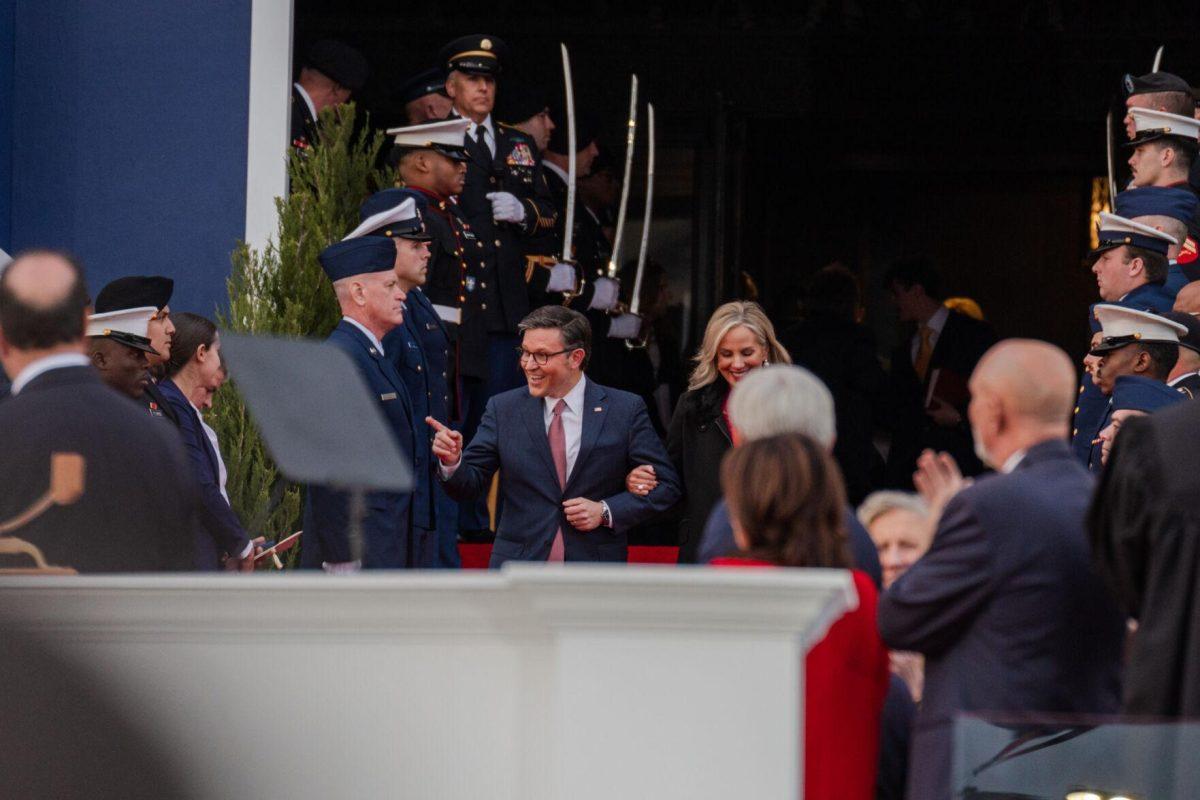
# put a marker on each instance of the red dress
(846, 679)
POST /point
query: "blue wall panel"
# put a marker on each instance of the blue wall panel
(129, 137)
(7, 13)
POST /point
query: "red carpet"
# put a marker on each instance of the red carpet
(475, 556)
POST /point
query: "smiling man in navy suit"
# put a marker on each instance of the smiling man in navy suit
(372, 303)
(563, 446)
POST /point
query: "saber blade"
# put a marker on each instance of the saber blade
(1158, 58)
(631, 126)
(569, 219)
(635, 302)
(1112, 172)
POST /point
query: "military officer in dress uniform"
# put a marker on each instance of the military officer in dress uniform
(1130, 265)
(331, 73)
(503, 197)
(424, 97)
(418, 349)
(431, 161)
(1170, 210)
(1161, 91)
(369, 293)
(1185, 377)
(1131, 342)
(118, 346)
(140, 291)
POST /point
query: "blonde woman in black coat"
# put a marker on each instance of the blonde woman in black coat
(739, 338)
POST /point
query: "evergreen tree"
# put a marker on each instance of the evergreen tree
(282, 291)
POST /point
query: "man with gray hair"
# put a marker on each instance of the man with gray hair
(772, 401)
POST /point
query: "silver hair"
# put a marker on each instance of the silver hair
(879, 503)
(779, 399)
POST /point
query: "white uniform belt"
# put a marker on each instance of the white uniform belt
(449, 313)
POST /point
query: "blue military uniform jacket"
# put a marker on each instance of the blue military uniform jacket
(387, 523)
(418, 350)
(1092, 408)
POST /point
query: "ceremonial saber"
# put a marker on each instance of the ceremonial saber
(615, 260)
(1158, 58)
(636, 299)
(1112, 171)
(569, 229)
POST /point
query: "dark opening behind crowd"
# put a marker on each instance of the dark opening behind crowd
(1022, 542)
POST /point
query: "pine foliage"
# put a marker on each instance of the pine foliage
(282, 291)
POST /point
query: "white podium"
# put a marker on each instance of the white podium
(532, 683)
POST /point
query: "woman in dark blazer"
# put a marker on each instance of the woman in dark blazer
(193, 373)
(787, 506)
(739, 337)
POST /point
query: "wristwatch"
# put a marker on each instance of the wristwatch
(605, 515)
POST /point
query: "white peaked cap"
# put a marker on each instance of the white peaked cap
(1118, 322)
(1146, 120)
(405, 211)
(134, 321)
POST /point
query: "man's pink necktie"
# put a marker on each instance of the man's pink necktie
(558, 451)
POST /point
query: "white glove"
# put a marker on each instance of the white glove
(506, 207)
(605, 296)
(562, 278)
(626, 326)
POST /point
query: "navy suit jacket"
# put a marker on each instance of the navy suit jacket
(221, 531)
(617, 436)
(717, 542)
(386, 524)
(417, 350)
(1006, 608)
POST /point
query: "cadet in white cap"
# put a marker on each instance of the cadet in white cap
(118, 346)
(1164, 147)
(1130, 256)
(1132, 342)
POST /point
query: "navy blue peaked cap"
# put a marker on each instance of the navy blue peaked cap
(358, 256)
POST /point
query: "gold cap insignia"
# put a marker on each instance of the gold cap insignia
(486, 44)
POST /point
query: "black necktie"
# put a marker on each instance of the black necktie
(481, 142)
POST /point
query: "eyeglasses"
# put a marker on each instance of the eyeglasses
(539, 358)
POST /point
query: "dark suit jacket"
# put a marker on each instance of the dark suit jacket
(136, 510)
(417, 350)
(616, 437)
(219, 530)
(717, 542)
(1006, 608)
(843, 355)
(696, 441)
(962, 342)
(387, 524)
(1146, 538)
(515, 168)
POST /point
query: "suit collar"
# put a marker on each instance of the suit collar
(533, 410)
(1049, 450)
(44, 365)
(61, 376)
(312, 109)
(594, 412)
(361, 329)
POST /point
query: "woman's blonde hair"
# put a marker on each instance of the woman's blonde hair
(725, 319)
